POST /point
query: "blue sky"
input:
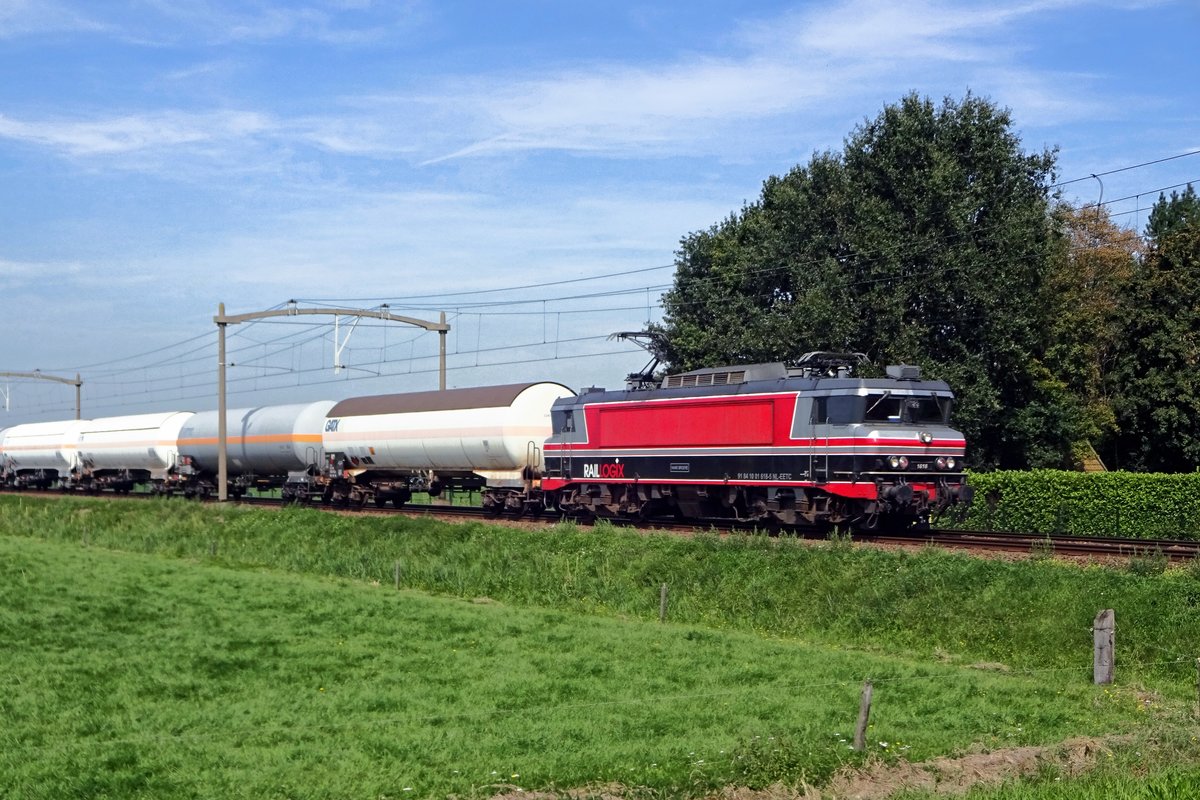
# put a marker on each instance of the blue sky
(160, 156)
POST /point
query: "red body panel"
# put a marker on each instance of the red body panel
(684, 424)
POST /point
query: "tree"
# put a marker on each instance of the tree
(1175, 216)
(1159, 402)
(1089, 290)
(924, 241)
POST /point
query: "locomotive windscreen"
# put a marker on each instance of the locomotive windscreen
(911, 409)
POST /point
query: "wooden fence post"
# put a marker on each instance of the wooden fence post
(1198, 687)
(662, 603)
(396, 570)
(864, 714)
(1103, 642)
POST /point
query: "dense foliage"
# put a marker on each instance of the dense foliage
(1120, 504)
(1158, 383)
(932, 238)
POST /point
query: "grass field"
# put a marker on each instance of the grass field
(171, 650)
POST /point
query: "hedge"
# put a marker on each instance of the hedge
(1119, 504)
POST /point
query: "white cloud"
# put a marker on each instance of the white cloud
(915, 30)
(791, 70)
(406, 243)
(809, 63)
(19, 274)
(134, 132)
(33, 17)
(334, 22)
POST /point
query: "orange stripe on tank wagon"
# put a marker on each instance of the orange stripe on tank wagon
(276, 438)
(539, 434)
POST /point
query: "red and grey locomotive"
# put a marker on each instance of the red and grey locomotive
(811, 444)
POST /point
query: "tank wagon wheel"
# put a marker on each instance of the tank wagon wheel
(490, 505)
(516, 506)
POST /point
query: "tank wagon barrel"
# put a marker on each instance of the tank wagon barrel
(266, 445)
(39, 454)
(119, 452)
(385, 447)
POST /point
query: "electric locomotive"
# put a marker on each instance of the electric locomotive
(761, 442)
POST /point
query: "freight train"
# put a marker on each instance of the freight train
(810, 444)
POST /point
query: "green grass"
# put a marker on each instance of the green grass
(166, 648)
(130, 674)
(1123, 776)
(1033, 614)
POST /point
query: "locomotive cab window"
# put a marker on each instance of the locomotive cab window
(563, 421)
(836, 410)
(910, 409)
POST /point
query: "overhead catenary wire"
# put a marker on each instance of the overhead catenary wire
(1150, 163)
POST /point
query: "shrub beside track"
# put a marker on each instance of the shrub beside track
(1122, 504)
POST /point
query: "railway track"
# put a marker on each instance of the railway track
(1033, 544)
(1042, 544)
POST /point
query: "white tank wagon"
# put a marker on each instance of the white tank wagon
(386, 446)
(118, 452)
(38, 454)
(265, 445)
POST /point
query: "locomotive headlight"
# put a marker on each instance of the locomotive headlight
(941, 462)
(951, 463)
(903, 462)
(926, 437)
(894, 462)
